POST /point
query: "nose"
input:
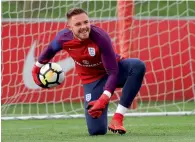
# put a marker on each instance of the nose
(83, 26)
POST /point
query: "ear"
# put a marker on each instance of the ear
(68, 25)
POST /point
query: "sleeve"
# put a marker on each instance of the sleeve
(103, 41)
(49, 52)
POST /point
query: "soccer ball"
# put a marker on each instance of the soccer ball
(51, 75)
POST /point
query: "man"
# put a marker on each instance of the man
(99, 68)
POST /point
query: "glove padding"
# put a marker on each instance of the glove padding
(35, 74)
(96, 108)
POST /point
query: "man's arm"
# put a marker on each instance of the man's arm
(102, 39)
(55, 46)
(44, 58)
(49, 52)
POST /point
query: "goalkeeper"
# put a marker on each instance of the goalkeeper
(100, 69)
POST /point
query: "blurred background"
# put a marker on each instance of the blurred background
(160, 33)
(99, 9)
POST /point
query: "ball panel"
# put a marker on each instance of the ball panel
(56, 67)
(43, 81)
(61, 77)
(51, 76)
(44, 68)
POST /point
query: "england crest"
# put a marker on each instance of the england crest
(88, 97)
(91, 51)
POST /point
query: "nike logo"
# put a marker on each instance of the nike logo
(66, 64)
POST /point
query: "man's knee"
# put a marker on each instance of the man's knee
(142, 66)
(139, 66)
(97, 126)
(98, 130)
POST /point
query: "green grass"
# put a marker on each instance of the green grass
(139, 129)
(57, 9)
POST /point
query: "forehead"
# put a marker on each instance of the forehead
(79, 18)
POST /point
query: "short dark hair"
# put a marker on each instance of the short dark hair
(74, 11)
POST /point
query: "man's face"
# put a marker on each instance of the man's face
(80, 26)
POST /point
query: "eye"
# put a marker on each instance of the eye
(86, 22)
(77, 24)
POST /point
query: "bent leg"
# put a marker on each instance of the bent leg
(92, 92)
(131, 73)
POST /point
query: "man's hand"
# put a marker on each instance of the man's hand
(95, 108)
(35, 74)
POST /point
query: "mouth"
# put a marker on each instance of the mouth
(84, 31)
